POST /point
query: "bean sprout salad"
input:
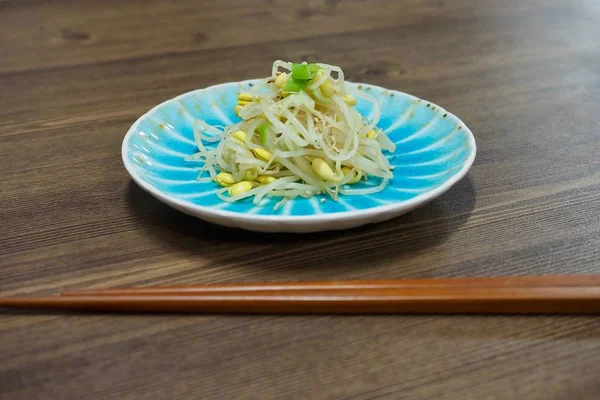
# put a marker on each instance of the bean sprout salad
(299, 135)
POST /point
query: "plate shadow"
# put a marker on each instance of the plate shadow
(395, 240)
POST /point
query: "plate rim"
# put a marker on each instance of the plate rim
(310, 218)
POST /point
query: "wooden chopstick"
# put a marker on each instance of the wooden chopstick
(405, 300)
(509, 281)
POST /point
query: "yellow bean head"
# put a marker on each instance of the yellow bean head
(239, 135)
(281, 80)
(224, 179)
(245, 97)
(237, 109)
(262, 154)
(266, 179)
(250, 174)
(239, 188)
(327, 88)
(323, 170)
(371, 134)
(349, 99)
(357, 174)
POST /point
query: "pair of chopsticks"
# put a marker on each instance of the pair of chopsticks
(505, 295)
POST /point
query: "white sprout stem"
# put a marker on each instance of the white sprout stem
(297, 134)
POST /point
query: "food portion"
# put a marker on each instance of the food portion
(299, 135)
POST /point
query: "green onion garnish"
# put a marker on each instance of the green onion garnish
(262, 132)
(302, 74)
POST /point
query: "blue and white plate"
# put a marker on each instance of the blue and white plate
(434, 150)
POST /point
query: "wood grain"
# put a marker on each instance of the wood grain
(74, 75)
(555, 281)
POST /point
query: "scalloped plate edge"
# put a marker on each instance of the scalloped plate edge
(299, 223)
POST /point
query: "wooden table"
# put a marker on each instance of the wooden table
(74, 75)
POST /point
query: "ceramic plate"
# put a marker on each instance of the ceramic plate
(434, 150)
